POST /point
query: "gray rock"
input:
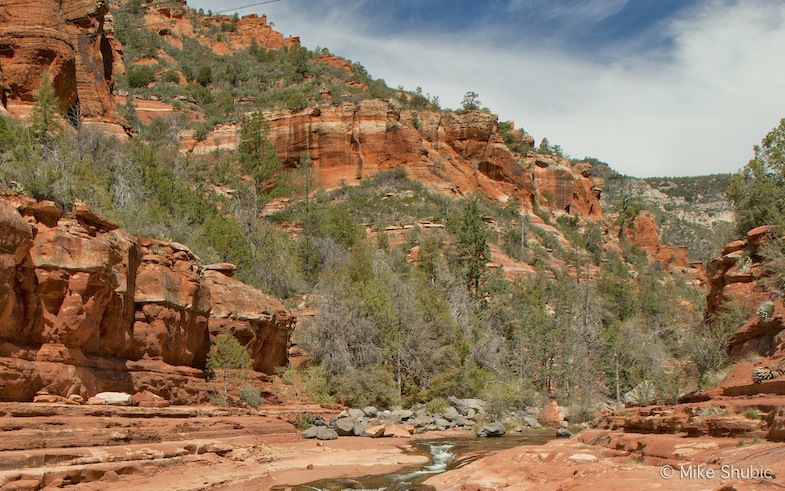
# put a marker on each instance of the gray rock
(360, 426)
(440, 423)
(464, 405)
(403, 414)
(310, 432)
(563, 433)
(531, 422)
(489, 430)
(472, 414)
(356, 414)
(325, 433)
(477, 404)
(370, 411)
(458, 405)
(421, 421)
(344, 426)
(451, 413)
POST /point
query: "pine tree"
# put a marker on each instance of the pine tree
(472, 248)
(758, 190)
(44, 119)
(228, 359)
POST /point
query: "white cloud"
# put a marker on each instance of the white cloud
(697, 110)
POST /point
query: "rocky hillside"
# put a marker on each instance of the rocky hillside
(88, 307)
(509, 246)
(691, 211)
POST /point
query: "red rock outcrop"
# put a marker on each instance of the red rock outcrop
(173, 22)
(453, 152)
(740, 275)
(88, 307)
(644, 234)
(69, 41)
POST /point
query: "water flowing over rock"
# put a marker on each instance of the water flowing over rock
(88, 308)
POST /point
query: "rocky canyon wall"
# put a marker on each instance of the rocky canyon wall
(453, 152)
(71, 43)
(87, 307)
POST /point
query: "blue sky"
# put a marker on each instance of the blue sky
(653, 87)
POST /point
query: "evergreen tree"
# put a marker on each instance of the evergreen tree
(758, 190)
(470, 101)
(228, 359)
(44, 119)
(473, 252)
(258, 157)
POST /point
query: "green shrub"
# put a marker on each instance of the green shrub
(250, 395)
(140, 76)
(371, 385)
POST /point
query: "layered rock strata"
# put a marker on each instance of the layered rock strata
(68, 42)
(87, 307)
(451, 152)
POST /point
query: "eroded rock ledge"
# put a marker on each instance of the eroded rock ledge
(86, 307)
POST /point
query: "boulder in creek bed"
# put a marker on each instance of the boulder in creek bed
(344, 426)
(491, 430)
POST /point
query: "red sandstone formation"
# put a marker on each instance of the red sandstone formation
(452, 152)
(88, 307)
(740, 275)
(644, 234)
(172, 21)
(336, 61)
(71, 42)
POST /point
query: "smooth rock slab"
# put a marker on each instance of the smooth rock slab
(583, 457)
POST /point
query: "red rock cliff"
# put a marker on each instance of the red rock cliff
(740, 275)
(456, 152)
(87, 307)
(72, 42)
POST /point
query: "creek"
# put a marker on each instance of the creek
(445, 454)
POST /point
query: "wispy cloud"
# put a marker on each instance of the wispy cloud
(696, 107)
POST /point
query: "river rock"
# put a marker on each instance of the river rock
(551, 415)
(356, 414)
(441, 423)
(344, 426)
(532, 422)
(370, 411)
(490, 430)
(360, 426)
(398, 431)
(376, 431)
(451, 414)
(463, 406)
(310, 432)
(325, 433)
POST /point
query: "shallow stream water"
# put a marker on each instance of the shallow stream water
(445, 454)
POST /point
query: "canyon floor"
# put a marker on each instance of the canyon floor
(47, 446)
